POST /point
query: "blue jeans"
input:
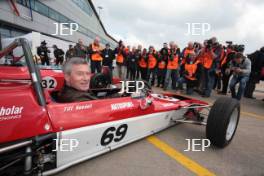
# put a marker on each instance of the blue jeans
(209, 81)
(242, 80)
(172, 75)
(189, 86)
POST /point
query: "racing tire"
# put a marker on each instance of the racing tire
(222, 121)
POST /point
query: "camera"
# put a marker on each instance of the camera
(239, 48)
(209, 44)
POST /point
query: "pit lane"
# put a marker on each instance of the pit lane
(243, 157)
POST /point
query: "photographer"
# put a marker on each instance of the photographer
(152, 65)
(172, 73)
(96, 57)
(42, 52)
(210, 58)
(120, 59)
(225, 67)
(241, 67)
(59, 55)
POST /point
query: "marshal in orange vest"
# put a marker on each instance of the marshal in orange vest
(187, 52)
(174, 63)
(142, 63)
(162, 64)
(207, 60)
(96, 56)
(191, 70)
(152, 61)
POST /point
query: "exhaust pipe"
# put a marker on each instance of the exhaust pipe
(28, 162)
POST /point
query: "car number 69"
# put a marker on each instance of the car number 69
(113, 134)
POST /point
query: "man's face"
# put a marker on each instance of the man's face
(165, 45)
(80, 41)
(238, 60)
(190, 45)
(79, 77)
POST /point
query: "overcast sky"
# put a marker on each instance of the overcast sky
(152, 22)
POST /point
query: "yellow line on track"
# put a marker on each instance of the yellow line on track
(253, 115)
(179, 157)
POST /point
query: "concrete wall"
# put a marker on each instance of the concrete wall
(45, 25)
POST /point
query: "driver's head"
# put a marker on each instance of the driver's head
(76, 73)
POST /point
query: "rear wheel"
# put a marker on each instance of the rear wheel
(222, 121)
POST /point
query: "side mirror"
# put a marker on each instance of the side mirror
(145, 103)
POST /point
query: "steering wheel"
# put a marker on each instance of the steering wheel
(98, 81)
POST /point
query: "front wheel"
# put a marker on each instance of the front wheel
(222, 121)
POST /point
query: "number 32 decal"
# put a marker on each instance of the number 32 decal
(112, 133)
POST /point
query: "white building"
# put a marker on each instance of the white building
(19, 17)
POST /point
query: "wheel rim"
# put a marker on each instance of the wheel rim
(232, 124)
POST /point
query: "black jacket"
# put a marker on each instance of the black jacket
(58, 53)
(43, 51)
(108, 57)
(70, 94)
(80, 51)
(132, 61)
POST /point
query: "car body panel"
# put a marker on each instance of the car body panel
(90, 137)
(21, 116)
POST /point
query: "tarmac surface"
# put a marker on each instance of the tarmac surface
(163, 154)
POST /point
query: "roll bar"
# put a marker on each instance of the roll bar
(32, 67)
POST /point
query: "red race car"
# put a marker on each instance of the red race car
(40, 135)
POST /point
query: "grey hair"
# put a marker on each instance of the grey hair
(67, 67)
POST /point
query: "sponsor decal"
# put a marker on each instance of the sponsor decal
(124, 105)
(9, 113)
(83, 107)
(77, 107)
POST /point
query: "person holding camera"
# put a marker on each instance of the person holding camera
(42, 52)
(225, 68)
(120, 54)
(96, 56)
(189, 74)
(211, 55)
(59, 55)
(241, 67)
(162, 64)
(172, 67)
(152, 65)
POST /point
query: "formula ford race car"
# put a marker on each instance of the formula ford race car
(40, 136)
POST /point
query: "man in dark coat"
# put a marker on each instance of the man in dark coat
(80, 50)
(108, 57)
(76, 81)
(42, 52)
(59, 55)
(257, 62)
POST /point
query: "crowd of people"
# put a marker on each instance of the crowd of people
(202, 67)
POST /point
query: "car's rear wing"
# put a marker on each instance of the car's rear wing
(32, 68)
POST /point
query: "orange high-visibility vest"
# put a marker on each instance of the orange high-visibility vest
(207, 60)
(187, 51)
(120, 58)
(191, 69)
(96, 56)
(142, 63)
(173, 64)
(228, 51)
(152, 61)
(162, 65)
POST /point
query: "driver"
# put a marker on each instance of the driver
(76, 81)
